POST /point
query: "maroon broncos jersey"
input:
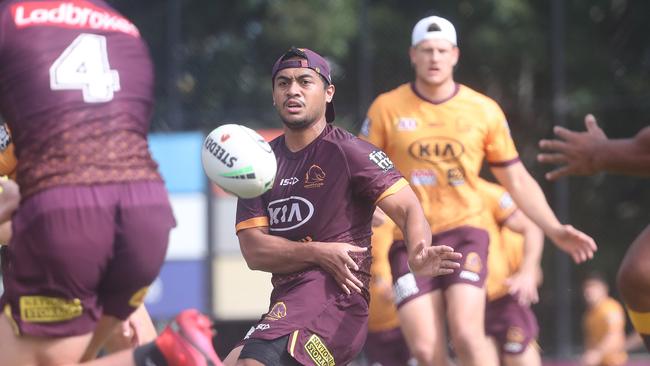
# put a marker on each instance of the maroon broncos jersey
(325, 192)
(76, 88)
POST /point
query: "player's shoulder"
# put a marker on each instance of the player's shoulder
(471, 97)
(347, 143)
(612, 305)
(393, 97)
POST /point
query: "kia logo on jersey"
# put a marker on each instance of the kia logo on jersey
(289, 213)
(436, 149)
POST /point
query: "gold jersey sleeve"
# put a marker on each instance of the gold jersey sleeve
(382, 312)
(440, 147)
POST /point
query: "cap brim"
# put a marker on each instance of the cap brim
(329, 112)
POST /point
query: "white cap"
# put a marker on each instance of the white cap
(433, 27)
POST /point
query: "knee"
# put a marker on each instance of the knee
(467, 342)
(633, 281)
(424, 353)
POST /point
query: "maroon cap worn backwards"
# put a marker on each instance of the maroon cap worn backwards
(310, 60)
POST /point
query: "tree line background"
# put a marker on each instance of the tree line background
(213, 61)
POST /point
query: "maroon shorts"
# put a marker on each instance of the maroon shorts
(513, 326)
(387, 348)
(78, 252)
(471, 242)
(325, 325)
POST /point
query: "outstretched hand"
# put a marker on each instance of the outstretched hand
(434, 260)
(578, 245)
(335, 259)
(573, 151)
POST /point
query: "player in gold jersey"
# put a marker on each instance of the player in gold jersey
(438, 133)
(385, 344)
(603, 325)
(514, 271)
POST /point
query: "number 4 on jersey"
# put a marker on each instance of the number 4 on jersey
(83, 65)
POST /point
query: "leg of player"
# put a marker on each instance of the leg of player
(106, 327)
(135, 331)
(466, 316)
(492, 349)
(417, 320)
(233, 356)
(634, 284)
(530, 357)
(26, 350)
(440, 351)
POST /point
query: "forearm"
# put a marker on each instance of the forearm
(405, 210)
(529, 196)
(625, 156)
(533, 248)
(270, 253)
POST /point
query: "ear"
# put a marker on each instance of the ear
(412, 55)
(455, 54)
(329, 93)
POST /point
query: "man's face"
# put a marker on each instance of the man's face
(434, 61)
(300, 96)
(594, 291)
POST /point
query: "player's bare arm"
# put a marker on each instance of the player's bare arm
(404, 208)
(523, 284)
(531, 200)
(270, 253)
(590, 151)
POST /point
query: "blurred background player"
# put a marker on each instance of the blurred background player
(77, 95)
(438, 133)
(385, 344)
(603, 325)
(313, 234)
(588, 152)
(514, 271)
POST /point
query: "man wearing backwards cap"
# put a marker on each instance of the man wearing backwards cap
(312, 229)
(438, 132)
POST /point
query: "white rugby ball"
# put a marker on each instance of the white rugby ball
(239, 160)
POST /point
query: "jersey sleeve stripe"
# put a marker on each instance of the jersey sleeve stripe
(401, 183)
(500, 164)
(252, 222)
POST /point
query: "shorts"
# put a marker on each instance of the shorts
(78, 252)
(513, 326)
(470, 241)
(387, 348)
(324, 325)
(269, 353)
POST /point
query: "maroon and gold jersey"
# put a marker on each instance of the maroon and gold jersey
(440, 147)
(76, 88)
(325, 192)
